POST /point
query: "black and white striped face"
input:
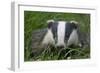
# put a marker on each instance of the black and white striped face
(61, 33)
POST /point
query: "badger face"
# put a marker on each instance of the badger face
(61, 34)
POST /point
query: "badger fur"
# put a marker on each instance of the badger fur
(62, 34)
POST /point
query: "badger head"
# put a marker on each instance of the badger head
(61, 34)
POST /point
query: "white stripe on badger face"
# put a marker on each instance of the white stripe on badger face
(73, 39)
(61, 33)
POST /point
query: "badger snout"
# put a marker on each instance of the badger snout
(60, 46)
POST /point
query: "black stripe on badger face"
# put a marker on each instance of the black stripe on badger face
(54, 31)
(68, 30)
(72, 36)
(52, 25)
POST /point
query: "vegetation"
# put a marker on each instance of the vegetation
(36, 20)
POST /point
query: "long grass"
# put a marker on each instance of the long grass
(36, 20)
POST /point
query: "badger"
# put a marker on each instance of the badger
(62, 34)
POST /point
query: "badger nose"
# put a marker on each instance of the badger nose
(60, 47)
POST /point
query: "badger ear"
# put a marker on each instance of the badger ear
(75, 24)
(50, 23)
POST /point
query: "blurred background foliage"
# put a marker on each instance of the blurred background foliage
(36, 20)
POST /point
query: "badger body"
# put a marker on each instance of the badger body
(61, 34)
